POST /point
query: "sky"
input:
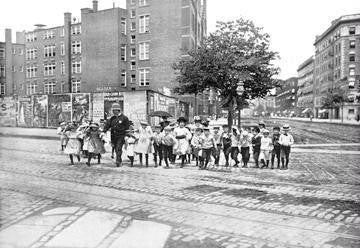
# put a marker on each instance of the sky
(292, 24)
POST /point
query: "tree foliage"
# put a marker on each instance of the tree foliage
(236, 51)
(334, 98)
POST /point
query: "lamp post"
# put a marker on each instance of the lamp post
(239, 91)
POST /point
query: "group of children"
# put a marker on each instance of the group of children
(186, 142)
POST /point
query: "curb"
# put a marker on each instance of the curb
(29, 136)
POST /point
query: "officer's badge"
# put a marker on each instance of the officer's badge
(120, 121)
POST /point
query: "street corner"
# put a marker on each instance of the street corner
(77, 226)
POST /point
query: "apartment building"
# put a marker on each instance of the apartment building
(286, 95)
(337, 58)
(12, 75)
(305, 96)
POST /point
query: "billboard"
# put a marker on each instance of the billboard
(59, 109)
(39, 106)
(7, 111)
(80, 106)
(24, 112)
(109, 99)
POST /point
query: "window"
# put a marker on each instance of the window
(21, 68)
(31, 71)
(133, 39)
(351, 57)
(31, 53)
(62, 68)
(2, 89)
(31, 37)
(62, 32)
(75, 85)
(31, 88)
(49, 87)
(2, 71)
(14, 51)
(76, 47)
(123, 25)
(144, 77)
(351, 83)
(351, 30)
(144, 23)
(13, 68)
(351, 111)
(76, 29)
(133, 79)
(123, 78)
(123, 52)
(352, 44)
(49, 34)
(133, 65)
(133, 26)
(21, 51)
(62, 48)
(132, 2)
(49, 51)
(132, 13)
(143, 2)
(133, 52)
(76, 67)
(351, 71)
(49, 69)
(2, 53)
(144, 50)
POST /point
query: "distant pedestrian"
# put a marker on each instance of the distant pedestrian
(286, 140)
(265, 149)
(61, 132)
(73, 146)
(95, 143)
(118, 125)
(256, 144)
(168, 141)
(276, 147)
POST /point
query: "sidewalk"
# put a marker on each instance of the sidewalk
(23, 132)
(333, 121)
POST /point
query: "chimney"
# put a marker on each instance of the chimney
(95, 5)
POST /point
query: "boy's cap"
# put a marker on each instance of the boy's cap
(266, 131)
(198, 129)
(276, 128)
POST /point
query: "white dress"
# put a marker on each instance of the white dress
(182, 145)
(144, 143)
(130, 145)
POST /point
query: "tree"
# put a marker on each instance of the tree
(335, 98)
(236, 52)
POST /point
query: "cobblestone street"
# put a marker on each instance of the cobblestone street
(314, 204)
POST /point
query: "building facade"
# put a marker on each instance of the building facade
(286, 95)
(12, 75)
(305, 96)
(337, 65)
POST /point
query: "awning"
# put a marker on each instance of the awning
(323, 111)
(306, 110)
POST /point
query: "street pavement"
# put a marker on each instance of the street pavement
(49, 203)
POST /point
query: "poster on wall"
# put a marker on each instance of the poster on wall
(80, 106)
(98, 107)
(40, 104)
(135, 106)
(7, 111)
(109, 99)
(59, 109)
(24, 111)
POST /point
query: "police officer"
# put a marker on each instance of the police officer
(118, 124)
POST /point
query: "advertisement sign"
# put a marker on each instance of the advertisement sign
(25, 112)
(98, 109)
(135, 106)
(7, 111)
(40, 104)
(59, 109)
(80, 106)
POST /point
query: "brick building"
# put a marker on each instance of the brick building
(286, 95)
(12, 75)
(305, 96)
(337, 57)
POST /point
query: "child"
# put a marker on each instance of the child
(183, 136)
(143, 145)
(265, 148)
(234, 146)
(286, 140)
(196, 146)
(226, 143)
(277, 147)
(167, 141)
(95, 143)
(73, 146)
(245, 142)
(207, 144)
(217, 149)
(61, 131)
(256, 143)
(130, 141)
(157, 145)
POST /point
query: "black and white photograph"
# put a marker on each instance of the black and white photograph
(180, 124)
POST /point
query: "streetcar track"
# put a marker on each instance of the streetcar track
(344, 235)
